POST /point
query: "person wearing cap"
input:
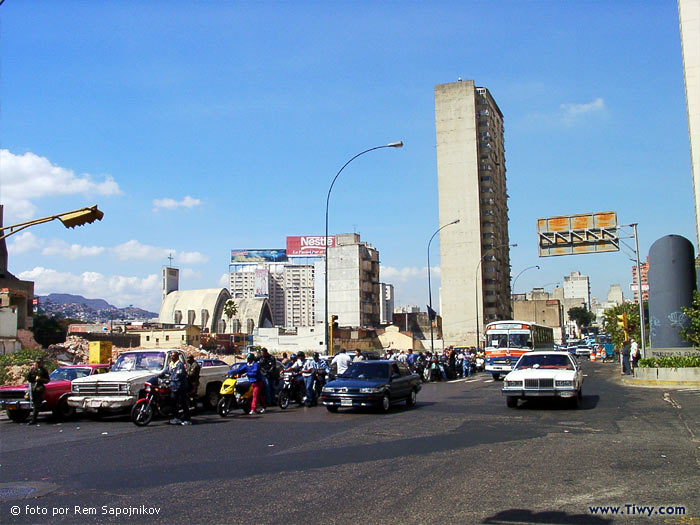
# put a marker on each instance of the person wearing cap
(254, 374)
(37, 377)
(179, 388)
(313, 368)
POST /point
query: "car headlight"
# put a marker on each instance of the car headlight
(123, 387)
(564, 383)
(373, 390)
(514, 384)
(328, 390)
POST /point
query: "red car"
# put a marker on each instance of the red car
(18, 407)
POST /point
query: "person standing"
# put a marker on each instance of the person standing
(37, 377)
(179, 388)
(341, 361)
(313, 370)
(267, 368)
(626, 358)
(193, 371)
(634, 353)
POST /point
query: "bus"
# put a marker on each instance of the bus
(506, 341)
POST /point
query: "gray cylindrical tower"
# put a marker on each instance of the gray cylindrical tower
(671, 284)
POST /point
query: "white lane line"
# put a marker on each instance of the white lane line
(489, 381)
(456, 380)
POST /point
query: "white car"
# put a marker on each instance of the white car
(544, 374)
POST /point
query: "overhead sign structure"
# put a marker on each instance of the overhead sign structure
(309, 245)
(576, 234)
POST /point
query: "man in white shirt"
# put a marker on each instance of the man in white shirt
(341, 361)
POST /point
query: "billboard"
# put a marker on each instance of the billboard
(261, 283)
(252, 256)
(576, 234)
(308, 245)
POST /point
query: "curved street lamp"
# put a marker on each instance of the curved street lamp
(430, 293)
(512, 288)
(398, 144)
(476, 286)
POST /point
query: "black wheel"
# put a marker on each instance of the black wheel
(386, 404)
(142, 413)
(511, 402)
(63, 410)
(496, 377)
(246, 405)
(18, 416)
(412, 398)
(211, 398)
(224, 406)
(283, 399)
(332, 408)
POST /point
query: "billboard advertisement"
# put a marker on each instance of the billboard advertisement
(252, 256)
(576, 234)
(308, 245)
(261, 283)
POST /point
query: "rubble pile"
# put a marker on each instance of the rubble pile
(15, 374)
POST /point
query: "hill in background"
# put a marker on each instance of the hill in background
(89, 310)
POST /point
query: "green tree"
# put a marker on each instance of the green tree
(691, 332)
(230, 311)
(47, 330)
(581, 316)
(615, 331)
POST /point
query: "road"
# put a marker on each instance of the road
(460, 456)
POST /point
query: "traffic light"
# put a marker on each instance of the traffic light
(333, 326)
(80, 217)
(622, 322)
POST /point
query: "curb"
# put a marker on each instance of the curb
(657, 382)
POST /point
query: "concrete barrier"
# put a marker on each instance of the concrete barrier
(665, 376)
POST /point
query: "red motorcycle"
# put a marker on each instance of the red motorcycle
(156, 401)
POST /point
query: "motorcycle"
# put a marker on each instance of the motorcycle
(319, 381)
(156, 401)
(235, 393)
(293, 390)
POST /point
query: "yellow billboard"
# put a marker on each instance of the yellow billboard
(576, 234)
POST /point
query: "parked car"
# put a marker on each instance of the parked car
(372, 384)
(583, 350)
(211, 362)
(12, 398)
(544, 374)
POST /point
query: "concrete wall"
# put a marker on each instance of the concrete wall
(8, 322)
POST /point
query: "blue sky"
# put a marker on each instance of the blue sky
(203, 126)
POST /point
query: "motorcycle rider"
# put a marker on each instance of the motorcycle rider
(313, 369)
(254, 373)
(268, 367)
(179, 388)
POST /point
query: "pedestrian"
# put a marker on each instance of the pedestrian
(626, 358)
(358, 355)
(254, 375)
(341, 361)
(267, 369)
(312, 370)
(285, 360)
(193, 371)
(37, 377)
(179, 388)
(634, 353)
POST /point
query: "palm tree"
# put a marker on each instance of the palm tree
(230, 311)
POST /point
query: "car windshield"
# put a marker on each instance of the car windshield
(68, 374)
(545, 361)
(367, 370)
(139, 361)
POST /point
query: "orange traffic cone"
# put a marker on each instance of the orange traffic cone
(593, 356)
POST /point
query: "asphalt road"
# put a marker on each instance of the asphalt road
(460, 456)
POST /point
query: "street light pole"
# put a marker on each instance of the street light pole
(398, 144)
(476, 287)
(512, 288)
(430, 292)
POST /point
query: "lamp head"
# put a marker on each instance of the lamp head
(398, 144)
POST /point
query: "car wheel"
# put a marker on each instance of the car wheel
(332, 408)
(511, 402)
(223, 407)
(18, 416)
(412, 398)
(386, 404)
(496, 377)
(142, 413)
(211, 398)
(63, 410)
(283, 399)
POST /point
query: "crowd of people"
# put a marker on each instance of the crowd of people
(447, 365)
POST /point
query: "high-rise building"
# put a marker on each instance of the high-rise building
(474, 255)
(578, 286)
(353, 282)
(386, 303)
(643, 272)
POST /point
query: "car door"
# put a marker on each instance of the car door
(400, 385)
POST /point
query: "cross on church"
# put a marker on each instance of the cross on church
(170, 260)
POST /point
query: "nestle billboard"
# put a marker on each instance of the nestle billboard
(308, 245)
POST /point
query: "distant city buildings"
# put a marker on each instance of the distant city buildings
(643, 272)
(474, 254)
(577, 286)
(386, 303)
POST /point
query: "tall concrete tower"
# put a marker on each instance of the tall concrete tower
(474, 256)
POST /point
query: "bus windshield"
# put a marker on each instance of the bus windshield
(509, 341)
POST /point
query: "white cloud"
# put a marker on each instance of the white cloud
(189, 273)
(71, 251)
(143, 292)
(391, 275)
(24, 242)
(171, 204)
(570, 112)
(29, 177)
(133, 249)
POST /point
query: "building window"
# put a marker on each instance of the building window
(148, 338)
(167, 338)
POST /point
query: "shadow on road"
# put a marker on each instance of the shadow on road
(587, 403)
(553, 517)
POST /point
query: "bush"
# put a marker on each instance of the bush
(24, 359)
(670, 362)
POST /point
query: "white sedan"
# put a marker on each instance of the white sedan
(544, 374)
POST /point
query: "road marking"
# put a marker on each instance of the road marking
(489, 381)
(456, 380)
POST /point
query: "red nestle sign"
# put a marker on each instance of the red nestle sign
(310, 245)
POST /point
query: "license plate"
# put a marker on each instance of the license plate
(346, 402)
